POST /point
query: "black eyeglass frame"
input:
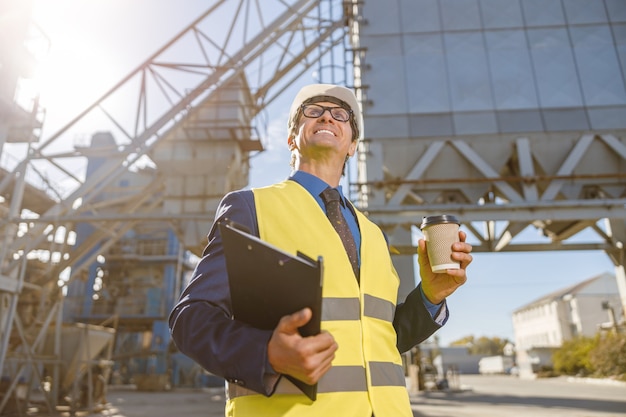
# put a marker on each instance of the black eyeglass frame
(324, 109)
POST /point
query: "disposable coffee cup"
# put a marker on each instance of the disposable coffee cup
(440, 232)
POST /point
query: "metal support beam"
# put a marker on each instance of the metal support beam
(264, 50)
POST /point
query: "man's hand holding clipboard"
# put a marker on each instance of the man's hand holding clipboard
(267, 284)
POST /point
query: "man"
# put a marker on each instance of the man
(355, 360)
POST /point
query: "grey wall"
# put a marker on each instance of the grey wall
(464, 67)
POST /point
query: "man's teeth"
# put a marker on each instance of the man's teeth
(325, 131)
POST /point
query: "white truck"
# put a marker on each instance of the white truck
(495, 365)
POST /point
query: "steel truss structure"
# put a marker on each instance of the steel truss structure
(506, 182)
(568, 183)
(259, 47)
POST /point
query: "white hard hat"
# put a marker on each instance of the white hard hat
(325, 91)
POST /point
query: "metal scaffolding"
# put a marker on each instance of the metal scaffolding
(180, 129)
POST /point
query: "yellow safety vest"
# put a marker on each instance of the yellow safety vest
(367, 374)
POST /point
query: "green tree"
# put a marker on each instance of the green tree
(573, 357)
(483, 345)
(609, 356)
(464, 341)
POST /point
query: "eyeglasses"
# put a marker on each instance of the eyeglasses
(315, 110)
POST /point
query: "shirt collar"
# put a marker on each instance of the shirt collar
(314, 185)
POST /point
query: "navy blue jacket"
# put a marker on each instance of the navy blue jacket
(202, 328)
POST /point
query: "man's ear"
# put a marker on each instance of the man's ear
(352, 148)
(291, 143)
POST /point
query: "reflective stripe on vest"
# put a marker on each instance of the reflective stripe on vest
(347, 378)
(378, 308)
(348, 308)
(339, 379)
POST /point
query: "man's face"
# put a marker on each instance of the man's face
(323, 135)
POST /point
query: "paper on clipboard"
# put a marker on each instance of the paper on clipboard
(267, 283)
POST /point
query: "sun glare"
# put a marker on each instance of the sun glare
(69, 77)
(75, 72)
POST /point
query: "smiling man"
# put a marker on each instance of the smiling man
(355, 360)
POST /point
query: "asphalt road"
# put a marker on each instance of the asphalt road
(506, 396)
(476, 396)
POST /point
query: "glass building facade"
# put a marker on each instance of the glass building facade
(465, 67)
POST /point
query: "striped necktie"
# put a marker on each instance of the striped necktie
(332, 201)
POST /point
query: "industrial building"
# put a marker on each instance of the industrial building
(581, 310)
(508, 114)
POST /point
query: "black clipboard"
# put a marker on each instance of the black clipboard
(267, 283)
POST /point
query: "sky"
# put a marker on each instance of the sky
(95, 43)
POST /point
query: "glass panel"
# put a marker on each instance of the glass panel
(460, 14)
(608, 118)
(553, 61)
(598, 66)
(469, 73)
(474, 123)
(558, 120)
(426, 72)
(420, 16)
(584, 11)
(542, 12)
(386, 77)
(519, 121)
(431, 125)
(511, 70)
(619, 33)
(501, 13)
(383, 127)
(616, 10)
(379, 20)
